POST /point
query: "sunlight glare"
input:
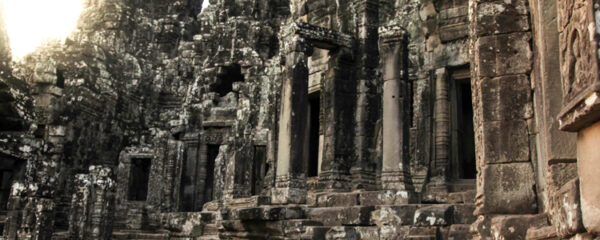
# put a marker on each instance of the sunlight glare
(31, 22)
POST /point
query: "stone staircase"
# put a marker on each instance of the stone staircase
(356, 215)
(327, 215)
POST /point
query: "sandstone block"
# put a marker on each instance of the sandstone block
(506, 189)
(504, 55)
(505, 142)
(499, 17)
(568, 220)
(394, 215)
(506, 98)
(335, 216)
(437, 215)
(515, 226)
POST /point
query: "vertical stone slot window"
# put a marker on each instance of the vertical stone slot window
(10, 170)
(463, 162)
(138, 179)
(226, 78)
(314, 113)
(60, 78)
(260, 169)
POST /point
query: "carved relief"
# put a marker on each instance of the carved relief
(578, 47)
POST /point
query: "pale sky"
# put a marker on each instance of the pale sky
(30, 22)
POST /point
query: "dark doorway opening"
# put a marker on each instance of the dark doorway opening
(226, 78)
(259, 169)
(138, 179)
(314, 114)
(212, 152)
(11, 170)
(463, 166)
(60, 78)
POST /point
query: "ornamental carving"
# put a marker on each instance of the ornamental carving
(578, 48)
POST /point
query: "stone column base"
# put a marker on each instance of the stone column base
(289, 190)
(363, 179)
(395, 180)
(332, 181)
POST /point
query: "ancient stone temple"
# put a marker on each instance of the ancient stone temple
(306, 119)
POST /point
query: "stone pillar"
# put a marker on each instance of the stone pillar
(501, 64)
(338, 123)
(395, 166)
(437, 188)
(290, 182)
(93, 204)
(367, 101)
(578, 40)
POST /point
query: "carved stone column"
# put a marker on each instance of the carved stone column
(578, 36)
(367, 100)
(394, 173)
(437, 187)
(290, 182)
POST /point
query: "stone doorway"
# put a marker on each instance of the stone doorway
(259, 170)
(463, 136)
(212, 152)
(11, 170)
(313, 140)
(138, 179)
(197, 179)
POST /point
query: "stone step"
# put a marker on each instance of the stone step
(208, 237)
(342, 216)
(422, 233)
(210, 229)
(138, 235)
(462, 185)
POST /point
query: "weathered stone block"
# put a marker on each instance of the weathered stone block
(352, 233)
(506, 189)
(505, 142)
(394, 215)
(459, 232)
(504, 55)
(463, 214)
(498, 17)
(393, 232)
(335, 216)
(506, 98)
(515, 226)
(389, 197)
(437, 215)
(568, 220)
(337, 199)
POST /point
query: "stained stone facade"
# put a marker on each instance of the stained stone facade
(306, 119)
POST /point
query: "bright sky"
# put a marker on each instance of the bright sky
(30, 22)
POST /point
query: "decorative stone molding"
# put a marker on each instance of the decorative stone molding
(578, 37)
